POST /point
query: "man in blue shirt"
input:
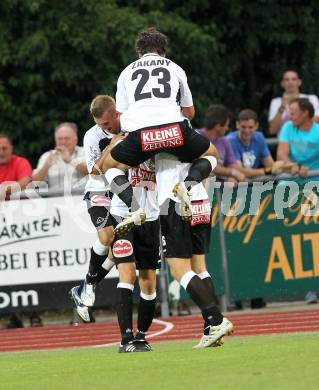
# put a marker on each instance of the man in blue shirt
(250, 147)
(253, 156)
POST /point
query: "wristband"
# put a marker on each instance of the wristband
(281, 109)
(234, 172)
(267, 170)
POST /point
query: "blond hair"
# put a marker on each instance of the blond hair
(101, 104)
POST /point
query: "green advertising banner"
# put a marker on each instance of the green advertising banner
(272, 239)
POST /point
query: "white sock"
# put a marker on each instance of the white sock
(148, 297)
(204, 275)
(99, 248)
(186, 278)
(212, 160)
(128, 286)
(108, 264)
(111, 173)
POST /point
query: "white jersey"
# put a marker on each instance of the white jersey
(95, 141)
(170, 171)
(151, 92)
(143, 181)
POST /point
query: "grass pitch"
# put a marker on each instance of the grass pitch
(264, 362)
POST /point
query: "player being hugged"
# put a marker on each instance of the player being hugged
(97, 142)
(138, 249)
(155, 104)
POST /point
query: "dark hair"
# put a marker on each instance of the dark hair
(3, 135)
(150, 41)
(216, 114)
(305, 105)
(247, 114)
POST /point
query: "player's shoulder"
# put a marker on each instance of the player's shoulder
(93, 133)
(177, 68)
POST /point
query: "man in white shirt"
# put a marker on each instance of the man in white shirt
(279, 111)
(65, 165)
(155, 103)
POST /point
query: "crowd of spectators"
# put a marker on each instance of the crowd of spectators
(244, 153)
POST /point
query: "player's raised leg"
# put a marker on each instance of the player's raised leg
(121, 186)
(198, 171)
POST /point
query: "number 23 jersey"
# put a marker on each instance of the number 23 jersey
(151, 92)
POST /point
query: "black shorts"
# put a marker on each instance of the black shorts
(200, 239)
(201, 226)
(180, 238)
(98, 205)
(176, 233)
(141, 244)
(178, 139)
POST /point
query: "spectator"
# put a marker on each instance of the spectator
(15, 175)
(216, 124)
(65, 165)
(15, 171)
(299, 144)
(299, 138)
(251, 152)
(279, 111)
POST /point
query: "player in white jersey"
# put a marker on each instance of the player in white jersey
(98, 196)
(143, 241)
(154, 101)
(138, 249)
(186, 245)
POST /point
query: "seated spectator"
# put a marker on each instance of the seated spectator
(299, 144)
(279, 111)
(216, 124)
(15, 171)
(299, 138)
(15, 175)
(250, 148)
(65, 165)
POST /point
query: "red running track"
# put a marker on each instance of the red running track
(175, 328)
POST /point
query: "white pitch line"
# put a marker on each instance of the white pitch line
(168, 326)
